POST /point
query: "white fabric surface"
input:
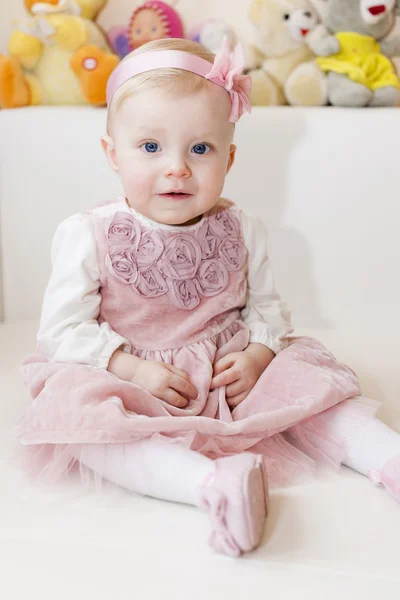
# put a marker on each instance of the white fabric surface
(69, 331)
(337, 537)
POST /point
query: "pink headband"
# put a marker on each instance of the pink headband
(225, 72)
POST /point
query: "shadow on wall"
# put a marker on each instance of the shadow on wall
(268, 189)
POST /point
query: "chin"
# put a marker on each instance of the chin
(185, 221)
(172, 218)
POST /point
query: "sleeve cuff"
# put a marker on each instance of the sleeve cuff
(110, 348)
(276, 345)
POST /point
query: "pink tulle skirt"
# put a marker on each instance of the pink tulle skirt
(285, 417)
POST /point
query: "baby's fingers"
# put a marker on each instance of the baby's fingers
(234, 389)
(183, 386)
(223, 364)
(175, 399)
(236, 400)
(225, 378)
(178, 371)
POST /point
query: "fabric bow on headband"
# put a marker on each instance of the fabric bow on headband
(227, 72)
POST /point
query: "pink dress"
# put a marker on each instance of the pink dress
(177, 298)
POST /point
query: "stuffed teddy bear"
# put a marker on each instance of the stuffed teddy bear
(283, 27)
(152, 20)
(359, 37)
(57, 56)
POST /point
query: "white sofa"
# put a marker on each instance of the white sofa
(326, 183)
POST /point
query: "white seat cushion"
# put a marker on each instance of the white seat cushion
(336, 537)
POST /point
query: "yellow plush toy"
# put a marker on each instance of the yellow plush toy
(57, 56)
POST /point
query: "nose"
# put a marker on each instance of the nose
(178, 168)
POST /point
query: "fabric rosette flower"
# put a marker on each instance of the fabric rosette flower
(181, 257)
(224, 224)
(212, 277)
(121, 264)
(183, 293)
(150, 283)
(207, 241)
(149, 250)
(233, 254)
(123, 229)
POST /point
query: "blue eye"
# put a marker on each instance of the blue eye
(154, 29)
(151, 147)
(138, 31)
(201, 149)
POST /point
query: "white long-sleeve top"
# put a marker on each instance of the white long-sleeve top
(69, 330)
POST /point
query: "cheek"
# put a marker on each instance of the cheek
(211, 181)
(217, 172)
(136, 176)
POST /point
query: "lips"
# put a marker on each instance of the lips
(377, 10)
(176, 195)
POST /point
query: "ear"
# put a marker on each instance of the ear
(108, 146)
(255, 11)
(232, 154)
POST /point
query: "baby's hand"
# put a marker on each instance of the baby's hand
(239, 371)
(165, 382)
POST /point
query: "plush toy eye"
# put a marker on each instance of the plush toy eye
(286, 17)
(308, 15)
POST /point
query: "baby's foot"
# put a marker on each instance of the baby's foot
(236, 498)
(93, 67)
(389, 477)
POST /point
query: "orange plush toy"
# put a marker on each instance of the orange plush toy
(57, 56)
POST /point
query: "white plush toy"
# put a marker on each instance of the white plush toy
(211, 33)
(287, 73)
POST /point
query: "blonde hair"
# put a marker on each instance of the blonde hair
(171, 80)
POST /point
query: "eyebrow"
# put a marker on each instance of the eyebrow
(162, 130)
(213, 136)
(148, 130)
(218, 137)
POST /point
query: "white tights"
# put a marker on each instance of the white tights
(368, 442)
(149, 467)
(171, 472)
